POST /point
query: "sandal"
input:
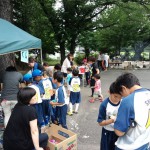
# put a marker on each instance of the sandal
(91, 100)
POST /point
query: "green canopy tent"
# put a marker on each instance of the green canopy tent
(13, 39)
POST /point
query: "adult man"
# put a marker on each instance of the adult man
(99, 61)
(34, 65)
(133, 120)
(106, 61)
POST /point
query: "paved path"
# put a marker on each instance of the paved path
(85, 123)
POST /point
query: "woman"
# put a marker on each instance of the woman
(22, 132)
(11, 80)
(67, 64)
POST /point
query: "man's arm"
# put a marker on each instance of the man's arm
(119, 133)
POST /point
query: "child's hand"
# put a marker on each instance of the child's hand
(51, 92)
(52, 103)
(54, 91)
(113, 117)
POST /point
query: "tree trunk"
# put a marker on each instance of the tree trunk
(87, 52)
(138, 48)
(6, 13)
(6, 10)
(62, 52)
(72, 45)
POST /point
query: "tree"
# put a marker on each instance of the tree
(6, 13)
(71, 19)
(29, 16)
(129, 26)
(75, 17)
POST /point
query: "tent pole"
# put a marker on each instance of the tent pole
(41, 56)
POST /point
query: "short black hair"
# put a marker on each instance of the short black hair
(128, 80)
(97, 76)
(45, 64)
(69, 69)
(69, 55)
(57, 67)
(92, 59)
(113, 89)
(75, 72)
(11, 68)
(58, 76)
(31, 60)
(24, 95)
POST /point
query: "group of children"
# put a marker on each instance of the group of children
(52, 98)
(96, 87)
(108, 108)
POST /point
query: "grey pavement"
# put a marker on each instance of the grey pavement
(85, 122)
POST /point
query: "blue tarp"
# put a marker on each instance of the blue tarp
(14, 39)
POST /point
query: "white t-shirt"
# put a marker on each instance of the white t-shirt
(134, 110)
(47, 87)
(75, 84)
(38, 96)
(106, 58)
(66, 64)
(100, 57)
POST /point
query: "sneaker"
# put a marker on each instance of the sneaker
(91, 96)
(70, 113)
(91, 100)
(75, 112)
(100, 100)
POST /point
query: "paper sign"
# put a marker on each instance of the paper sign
(24, 56)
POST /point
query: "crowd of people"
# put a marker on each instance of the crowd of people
(50, 94)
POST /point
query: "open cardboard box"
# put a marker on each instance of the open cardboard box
(65, 139)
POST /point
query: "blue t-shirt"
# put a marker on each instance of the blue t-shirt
(40, 86)
(59, 96)
(106, 109)
(69, 76)
(134, 119)
(46, 86)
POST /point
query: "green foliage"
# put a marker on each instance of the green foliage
(52, 62)
(29, 16)
(128, 22)
(79, 58)
(96, 24)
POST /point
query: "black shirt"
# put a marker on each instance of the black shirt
(17, 135)
(94, 67)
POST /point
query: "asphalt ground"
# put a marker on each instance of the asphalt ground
(85, 122)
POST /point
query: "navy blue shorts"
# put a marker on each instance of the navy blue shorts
(61, 113)
(108, 140)
(75, 97)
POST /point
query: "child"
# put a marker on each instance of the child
(75, 96)
(97, 89)
(61, 99)
(57, 67)
(69, 76)
(106, 118)
(94, 70)
(27, 79)
(46, 86)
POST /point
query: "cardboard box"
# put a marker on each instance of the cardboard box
(61, 139)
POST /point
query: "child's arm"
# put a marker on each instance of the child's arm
(106, 122)
(102, 121)
(55, 103)
(61, 99)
